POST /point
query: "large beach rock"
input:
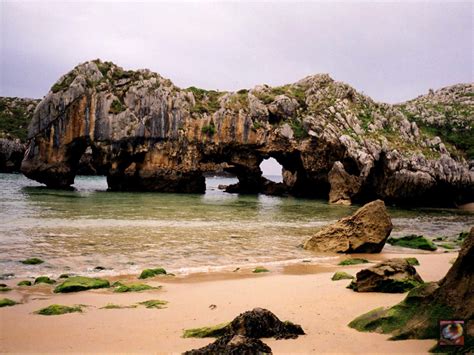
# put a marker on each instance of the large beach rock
(147, 134)
(417, 316)
(364, 232)
(81, 283)
(390, 276)
(233, 345)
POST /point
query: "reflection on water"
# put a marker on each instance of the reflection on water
(126, 232)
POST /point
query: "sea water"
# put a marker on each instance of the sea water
(75, 231)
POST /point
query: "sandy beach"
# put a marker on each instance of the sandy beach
(303, 294)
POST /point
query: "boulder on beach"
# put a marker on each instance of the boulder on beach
(233, 344)
(417, 316)
(364, 232)
(81, 283)
(390, 276)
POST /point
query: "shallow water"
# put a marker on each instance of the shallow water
(126, 232)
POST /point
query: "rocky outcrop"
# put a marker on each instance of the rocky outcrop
(15, 115)
(147, 134)
(389, 276)
(241, 335)
(364, 232)
(233, 345)
(417, 316)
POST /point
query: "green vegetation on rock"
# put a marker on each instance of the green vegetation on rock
(64, 83)
(6, 302)
(152, 273)
(353, 261)
(412, 261)
(341, 275)
(394, 320)
(134, 288)
(391, 286)
(24, 283)
(32, 261)
(463, 235)
(447, 246)
(5, 288)
(206, 101)
(414, 242)
(117, 107)
(15, 115)
(57, 309)
(159, 304)
(260, 269)
(206, 332)
(44, 280)
(81, 283)
(209, 129)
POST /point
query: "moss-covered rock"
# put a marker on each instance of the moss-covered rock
(206, 332)
(394, 320)
(353, 261)
(44, 280)
(135, 288)
(24, 283)
(159, 304)
(147, 273)
(260, 269)
(414, 242)
(57, 309)
(341, 275)
(32, 261)
(390, 276)
(6, 302)
(412, 261)
(5, 288)
(447, 246)
(81, 283)
(233, 344)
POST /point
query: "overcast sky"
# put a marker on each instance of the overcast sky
(392, 52)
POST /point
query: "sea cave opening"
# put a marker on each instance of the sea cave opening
(272, 170)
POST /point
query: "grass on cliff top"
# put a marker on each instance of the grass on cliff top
(206, 101)
(414, 242)
(14, 121)
(57, 309)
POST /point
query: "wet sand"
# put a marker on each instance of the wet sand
(303, 294)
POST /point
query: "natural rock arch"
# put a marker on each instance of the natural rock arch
(147, 134)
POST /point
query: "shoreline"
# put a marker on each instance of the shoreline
(303, 294)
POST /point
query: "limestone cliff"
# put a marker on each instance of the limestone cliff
(15, 115)
(147, 134)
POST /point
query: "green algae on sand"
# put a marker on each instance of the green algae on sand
(24, 283)
(206, 332)
(260, 269)
(135, 288)
(414, 242)
(353, 261)
(341, 275)
(158, 304)
(32, 261)
(44, 280)
(58, 309)
(6, 302)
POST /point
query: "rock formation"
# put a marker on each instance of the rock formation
(364, 232)
(389, 276)
(417, 316)
(233, 345)
(15, 115)
(147, 134)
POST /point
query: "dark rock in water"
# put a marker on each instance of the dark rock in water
(417, 316)
(222, 187)
(7, 276)
(390, 276)
(11, 155)
(146, 134)
(364, 232)
(99, 268)
(233, 345)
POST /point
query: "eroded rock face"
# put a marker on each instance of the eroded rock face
(11, 155)
(389, 276)
(366, 231)
(147, 134)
